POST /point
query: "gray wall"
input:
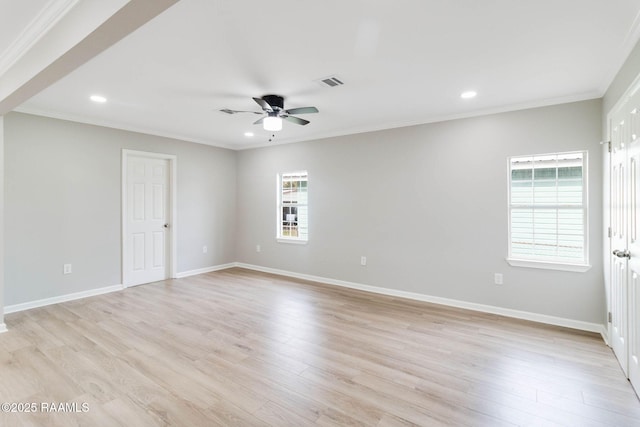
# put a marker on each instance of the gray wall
(62, 205)
(427, 205)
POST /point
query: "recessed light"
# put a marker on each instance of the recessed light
(98, 98)
(468, 94)
(248, 134)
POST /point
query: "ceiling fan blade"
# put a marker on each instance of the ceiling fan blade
(302, 110)
(228, 111)
(263, 104)
(296, 120)
(259, 121)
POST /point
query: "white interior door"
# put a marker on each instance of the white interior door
(147, 221)
(618, 282)
(625, 237)
(633, 287)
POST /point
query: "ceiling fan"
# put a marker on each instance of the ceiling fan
(273, 106)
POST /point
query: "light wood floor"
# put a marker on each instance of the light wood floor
(243, 348)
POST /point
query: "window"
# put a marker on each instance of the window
(548, 211)
(293, 216)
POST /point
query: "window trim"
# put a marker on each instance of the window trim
(550, 264)
(546, 265)
(279, 237)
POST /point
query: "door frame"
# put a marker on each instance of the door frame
(606, 221)
(620, 105)
(171, 244)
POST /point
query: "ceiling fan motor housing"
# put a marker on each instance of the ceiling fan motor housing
(276, 101)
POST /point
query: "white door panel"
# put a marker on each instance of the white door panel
(625, 237)
(159, 208)
(618, 282)
(633, 278)
(147, 183)
(618, 312)
(158, 250)
(633, 358)
(138, 251)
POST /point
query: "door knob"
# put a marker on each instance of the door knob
(166, 226)
(622, 254)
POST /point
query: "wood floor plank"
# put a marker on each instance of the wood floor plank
(241, 348)
(127, 413)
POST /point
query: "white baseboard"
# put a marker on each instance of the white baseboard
(517, 314)
(62, 298)
(605, 334)
(205, 270)
(99, 291)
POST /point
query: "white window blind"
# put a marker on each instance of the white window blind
(548, 208)
(293, 210)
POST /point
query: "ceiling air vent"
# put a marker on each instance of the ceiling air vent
(332, 81)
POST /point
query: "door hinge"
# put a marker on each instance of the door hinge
(609, 317)
(609, 232)
(609, 145)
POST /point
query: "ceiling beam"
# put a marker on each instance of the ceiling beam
(86, 30)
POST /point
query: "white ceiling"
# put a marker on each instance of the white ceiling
(403, 62)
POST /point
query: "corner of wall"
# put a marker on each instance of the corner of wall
(604, 333)
(622, 80)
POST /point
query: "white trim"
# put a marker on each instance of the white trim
(279, 206)
(292, 241)
(620, 103)
(604, 332)
(44, 21)
(95, 121)
(173, 208)
(553, 264)
(62, 298)
(579, 268)
(618, 62)
(517, 314)
(624, 98)
(313, 137)
(205, 270)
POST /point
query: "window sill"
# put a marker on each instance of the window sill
(579, 268)
(292, 241)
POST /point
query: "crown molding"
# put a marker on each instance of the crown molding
(95, 121)
(48, 16)
(629, 43)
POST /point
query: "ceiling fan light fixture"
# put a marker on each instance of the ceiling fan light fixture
(272, 123)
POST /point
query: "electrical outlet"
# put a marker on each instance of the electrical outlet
(498, 279)
(258, 249)
(363, 260)
(204, 250)
(66, 269)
